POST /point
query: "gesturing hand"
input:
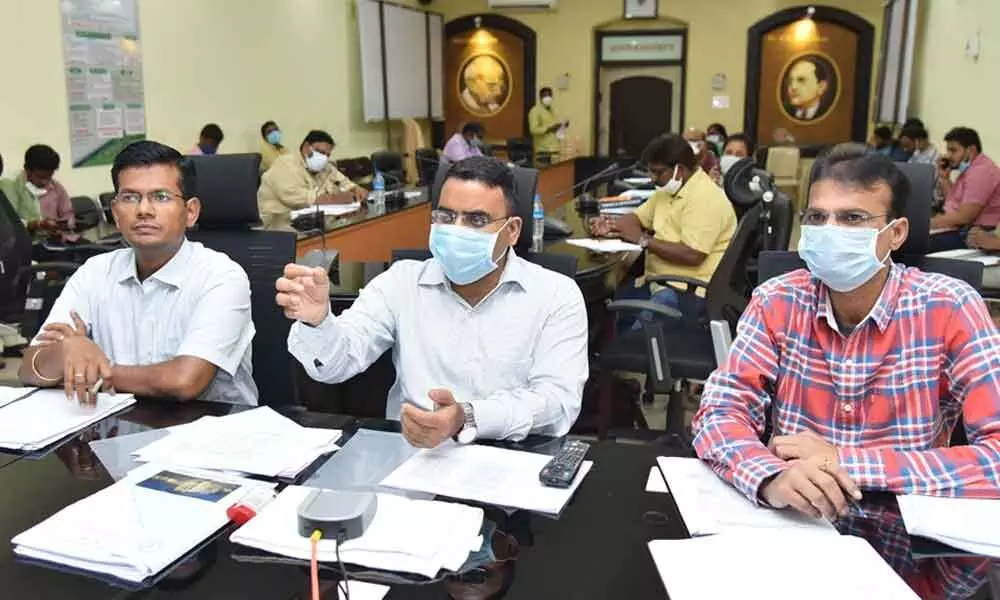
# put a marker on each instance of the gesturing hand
(304, 293)
(813, 486)
(83, 363)
(428, 429)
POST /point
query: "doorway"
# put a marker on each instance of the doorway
(641, 109)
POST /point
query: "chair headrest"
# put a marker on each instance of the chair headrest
(227, 186)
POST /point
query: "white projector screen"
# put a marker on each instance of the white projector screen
(401, 61)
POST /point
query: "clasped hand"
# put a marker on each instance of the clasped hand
(814, 483)
(429, 429)
(84, 363)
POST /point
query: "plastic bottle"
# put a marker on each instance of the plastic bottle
(538, 227)
(378, 189)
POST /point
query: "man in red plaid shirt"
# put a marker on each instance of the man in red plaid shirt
(864, 368)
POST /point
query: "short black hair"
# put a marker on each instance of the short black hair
(148, 153)
(741, 137)
(914, 121)
(883, 132)
(965, 137)
(491, 172)
(669, 150)
(818, 67)
(856, 165)
(473, 127)
(41, 158)
(545, 91)
(267, 125)
(317, 136)
(720, 128)
(914, 131)
(212, 132)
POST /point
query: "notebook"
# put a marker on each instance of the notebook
(970, 524)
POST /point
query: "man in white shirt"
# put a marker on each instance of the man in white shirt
(166, 317)
(485, 343)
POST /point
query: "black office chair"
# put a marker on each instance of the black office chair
(390, 164)
(520, 151)
(355, 169)
(87, 213)
(427, 165)
(15, 255)
(225, 188)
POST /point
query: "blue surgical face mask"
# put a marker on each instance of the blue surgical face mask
(963, 166)
(466, 255)
(844, 258)
(274, 137)
(208, 150)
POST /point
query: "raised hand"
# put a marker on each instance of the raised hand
(304, 293)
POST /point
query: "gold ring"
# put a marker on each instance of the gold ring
(78, 376)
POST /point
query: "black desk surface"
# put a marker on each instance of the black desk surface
(596, 549)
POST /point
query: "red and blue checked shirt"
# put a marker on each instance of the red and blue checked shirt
(887, 395)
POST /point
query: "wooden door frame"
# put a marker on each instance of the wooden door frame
(670, 106)
(598, 63)
(823, 14)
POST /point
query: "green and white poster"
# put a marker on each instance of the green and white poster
(103, 64)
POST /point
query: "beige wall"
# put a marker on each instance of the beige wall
(717, 34)
(235, 62)
(950, 88)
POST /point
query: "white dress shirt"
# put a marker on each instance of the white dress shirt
(519, 357)
(198, 304)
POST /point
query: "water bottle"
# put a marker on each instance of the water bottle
(378, 189)
(538, 228)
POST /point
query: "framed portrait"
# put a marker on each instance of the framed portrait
(640, 9)
(484, 84)
(809, 87)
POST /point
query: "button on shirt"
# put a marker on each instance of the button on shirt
(198, 304)
(519, 357)
(887, 395)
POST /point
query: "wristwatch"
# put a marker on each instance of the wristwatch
(644, 241)
(468, 432)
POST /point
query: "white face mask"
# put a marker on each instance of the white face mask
(35, 190)
(673, 186)
(547, 100)
(695, 147)
(715, 139)
(727, 161)
(317, 161)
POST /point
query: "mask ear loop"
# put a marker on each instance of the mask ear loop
(875, 242)
(496, 236)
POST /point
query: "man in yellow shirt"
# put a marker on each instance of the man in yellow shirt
(302, 179)
(544, 127)
(685, 226)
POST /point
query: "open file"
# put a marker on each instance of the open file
(47, 416)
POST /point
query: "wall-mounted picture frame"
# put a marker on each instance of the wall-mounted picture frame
(640, 9)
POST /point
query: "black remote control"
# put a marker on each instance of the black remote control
(561, 470)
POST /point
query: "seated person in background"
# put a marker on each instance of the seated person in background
(40, 200)
(485, 343)
(208, 141)
(974, 198)
(270, 145)
(302, 179)
(707, 159)
(861, 366)
(883, 144)
(914, 142)
(685, 226)
(468, 142)
(737, 147)
(165, 317)
(716, 136)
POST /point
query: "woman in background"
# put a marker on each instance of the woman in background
(270, 145)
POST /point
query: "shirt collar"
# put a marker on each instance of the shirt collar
(171, 273)
(514, 271)
(881, 314)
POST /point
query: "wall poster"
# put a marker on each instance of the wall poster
(103, 66)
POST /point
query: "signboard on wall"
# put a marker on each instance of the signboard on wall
(641, 48)
(103, 69)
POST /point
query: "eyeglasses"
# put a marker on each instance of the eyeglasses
(154, 197)
(476, 219)
(845, 218)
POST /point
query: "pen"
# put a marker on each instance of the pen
(97, 386)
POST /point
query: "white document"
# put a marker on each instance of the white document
(655, 482)
(362, 590)
(633, 194)
(775, 565)
(47, 416)
(137, 527)
(330, 210)
(258, 441)
(970, 524)
(11, 394)
(709, 505)
(618, 210)
(410, 536)
(941, 230)
(507, 478)
(637, 180)
(605, 245)
(969, 254)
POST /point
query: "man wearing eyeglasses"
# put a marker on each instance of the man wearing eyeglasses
(863, 368)
(166, 317)
(485, 344)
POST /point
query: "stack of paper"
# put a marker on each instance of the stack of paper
(330, 210)
(495, 476)
(709, 505)
(775, 565)
(46, 416)
(605, 245)
(139, 526)
(409, 536)
(258, 442)
(969, 254)
(970, 524)
(9, 395)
